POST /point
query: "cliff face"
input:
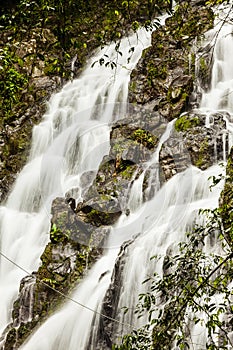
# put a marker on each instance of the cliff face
(162, 85)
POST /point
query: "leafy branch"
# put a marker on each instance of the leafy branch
(183, 296)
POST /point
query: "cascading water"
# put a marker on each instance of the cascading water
(220, 96)
(161, 223)
(158, 223)
(62, 150)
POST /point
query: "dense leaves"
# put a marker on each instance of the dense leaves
(12, 82)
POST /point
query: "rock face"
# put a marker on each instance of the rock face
(73, 248)
(161, 86)
(104, 338)
(15, 136)
(16, 123)
(195, 142)
(133, 141)
(163, 76)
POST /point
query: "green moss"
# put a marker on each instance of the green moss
(11, 338)
(128, 172)
(185, 123)
(56, 235)
(145, 138)
(203, 69)
(105, 197)
(97, 217)
(202, 156)
(133, 86)
(156, 72)
(51, 282)
(118, 147)
(46, 257)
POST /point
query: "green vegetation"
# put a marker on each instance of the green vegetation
(128, 172)
(44, 36)
(56, 235)
(203, 69)
(216, 2)
(203, 155)
(186, 122)
(226, 201)
(156, 72)
(145, 138)
(12, 82)
(190, 279)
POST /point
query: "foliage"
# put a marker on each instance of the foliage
(226, 200)
(156, 72)
(184, 296)
(12, 82)
(46, 35)
(216, 2)
(56, 235)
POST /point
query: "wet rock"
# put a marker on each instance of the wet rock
(133, 141)
(81, 225)
(101, 210)
(106, 334)
(15, 136)
(73, 248)
(195, 141)
(163, 73)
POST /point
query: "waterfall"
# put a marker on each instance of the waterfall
(75, 126)
(163, 221)
(220, 96)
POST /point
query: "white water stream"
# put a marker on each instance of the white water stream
(72, 139)
(55, 168)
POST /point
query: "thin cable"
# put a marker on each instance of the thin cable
(65, 296)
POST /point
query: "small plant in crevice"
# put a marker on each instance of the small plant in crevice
(56, 235)
(144, 138)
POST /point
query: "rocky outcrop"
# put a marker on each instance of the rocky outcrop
(15, 136)
(163, 76)
(133, 141)
(73, 248)
(105, 335)
(195, 141)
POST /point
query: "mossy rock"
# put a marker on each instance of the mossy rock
(167, 59)
(186, 122)
(145, 138)
(102, 210)
(203, 159)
